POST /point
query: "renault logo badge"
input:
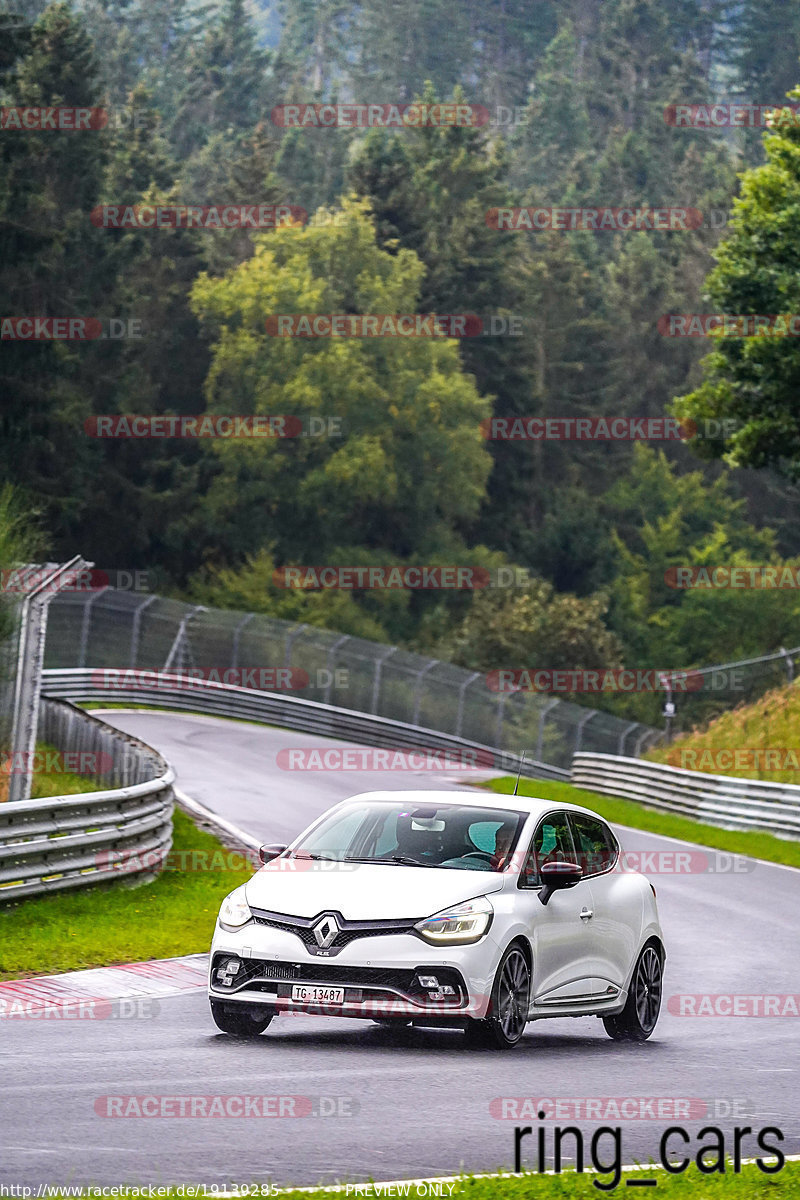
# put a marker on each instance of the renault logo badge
(325, 931)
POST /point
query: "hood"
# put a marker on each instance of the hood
(365, 891)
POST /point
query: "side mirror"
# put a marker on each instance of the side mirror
(558, 875)
(267, 853)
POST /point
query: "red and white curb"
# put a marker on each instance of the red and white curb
(160, 977)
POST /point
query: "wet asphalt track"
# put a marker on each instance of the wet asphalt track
(407, 1104)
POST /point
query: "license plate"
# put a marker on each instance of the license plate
(317, 995)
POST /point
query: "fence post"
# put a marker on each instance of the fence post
(418, 694)
(638, 748)
(180, 637)
(330, 660)
(87, 616)
(789, 664)
(461, 691)
(298, 629)
(628, 729)
(137, 621)
(501, 711)
(579, 728)
(237, 633)
(376, 681)
(540, 734)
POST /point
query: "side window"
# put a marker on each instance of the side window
(595, 844)
(552, 842)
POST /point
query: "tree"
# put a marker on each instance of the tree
(314, 42)
(224, 89)
(400, 46)
(431, 189)
(252, 587)
(409, 470)
(49, 185)
(764, 44)
(533, 627)
(665, 520)
(751, 383)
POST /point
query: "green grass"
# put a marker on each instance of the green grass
(61, 783)
(750, 843)
(117, 923)
(53, 783)
(749, 1184)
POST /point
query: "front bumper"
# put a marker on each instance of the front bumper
(380, 975)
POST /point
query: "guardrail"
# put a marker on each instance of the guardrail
(187, 694)
(71, 841)
(715, 799)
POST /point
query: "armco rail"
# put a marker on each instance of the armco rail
(72, 841)
(715, 799)
(290, 712)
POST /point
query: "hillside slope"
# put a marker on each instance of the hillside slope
(756, 741)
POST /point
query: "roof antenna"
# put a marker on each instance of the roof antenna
(519, 772)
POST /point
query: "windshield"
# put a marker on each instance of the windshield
(454, 836)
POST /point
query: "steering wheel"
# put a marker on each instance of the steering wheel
(479, 854)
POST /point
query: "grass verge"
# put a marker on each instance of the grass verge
(115, 923)
(750, 843)
(50, 782)
(749, 1184)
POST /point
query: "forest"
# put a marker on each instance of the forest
(489, 449)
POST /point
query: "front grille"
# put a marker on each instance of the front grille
(262, 975)
(376, 977)
(349, 931)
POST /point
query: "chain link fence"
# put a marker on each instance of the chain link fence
(727, 685)
(111, 630)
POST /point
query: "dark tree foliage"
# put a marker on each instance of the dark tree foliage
(575, 92)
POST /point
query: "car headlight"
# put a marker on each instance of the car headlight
(234, 911)
(459, 925)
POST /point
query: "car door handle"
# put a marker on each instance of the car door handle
(586, 913)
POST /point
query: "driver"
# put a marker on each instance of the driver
(503, 838)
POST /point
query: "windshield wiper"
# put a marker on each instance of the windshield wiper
(317, 857)
(400, 859)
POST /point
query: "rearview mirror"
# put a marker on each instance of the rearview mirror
(558, 875)
(267, 853)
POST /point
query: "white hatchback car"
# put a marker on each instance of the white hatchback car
(443, 909)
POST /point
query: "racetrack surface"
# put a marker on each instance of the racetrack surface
(410, 1103)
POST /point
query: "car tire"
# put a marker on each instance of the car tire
(505, 1022)
(240, 1021)
(638, 1018)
